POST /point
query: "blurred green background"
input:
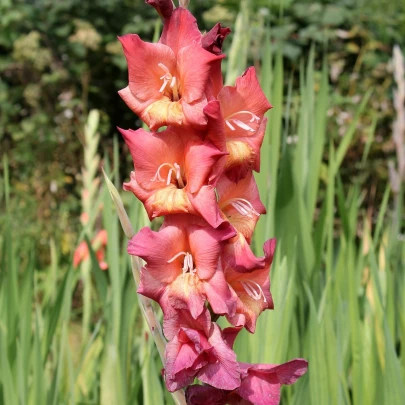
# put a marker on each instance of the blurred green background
(332, 180)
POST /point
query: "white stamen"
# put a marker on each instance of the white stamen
(173, 168)
(243, 206)
(176, 256)
(157, 176)
(162, 66)
(178, 175)
(243, 125)
(162, 89)
(253, 117)
(173, 83)
(168, 78)
(239, 123)
(250, 287)
(169, 177)
(232, 128)
(241, 209)
(188, 264)
(177, 167)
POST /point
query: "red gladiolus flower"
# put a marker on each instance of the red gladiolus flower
(182, 266)
(260, 385)
(167, 80)
(243, 108)
(241, 205)
(252, 290)
(175, 172)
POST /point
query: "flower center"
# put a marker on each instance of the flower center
(230, 121)
(244, 207)
(168, 78)
(174, 171)
(188, 264)
(253, 289)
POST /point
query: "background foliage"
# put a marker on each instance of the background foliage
(76, 336)
(60, 59)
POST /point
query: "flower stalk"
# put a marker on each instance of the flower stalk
(145, 303)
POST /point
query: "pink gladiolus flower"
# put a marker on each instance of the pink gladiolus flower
(241, 205)
(183, 267)
(243, 108)
(260, 385)
(252, 290)
(181, 31)
(199, 350)
(99, 243)
(175, 172)
(167, 80)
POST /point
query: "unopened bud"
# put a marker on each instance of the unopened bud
(163, 7)
(184, 3)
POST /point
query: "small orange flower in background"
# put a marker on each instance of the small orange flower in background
(98, 244)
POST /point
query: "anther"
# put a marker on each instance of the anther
(168, 78)
(173, 82)
(243, 125)
(244, 207)
(162, 66)
(188, 263)
(239, 123)
(178, 175)
(162, 89)
(253, 290)
(232, 128)
(169, 177)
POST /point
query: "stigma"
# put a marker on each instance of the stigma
(230, 121)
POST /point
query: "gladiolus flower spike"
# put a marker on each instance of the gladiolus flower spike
(198, 175)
